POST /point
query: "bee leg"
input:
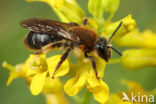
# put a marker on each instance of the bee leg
(48, 48)
(84, 21)
(63, 58)
(93, 64)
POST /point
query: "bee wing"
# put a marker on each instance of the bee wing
(44, 26)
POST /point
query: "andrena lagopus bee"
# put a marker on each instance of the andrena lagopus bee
(46, 35)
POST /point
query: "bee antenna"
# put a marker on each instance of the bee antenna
(117, 51)
(115, 31)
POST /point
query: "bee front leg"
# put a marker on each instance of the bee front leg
(93, 64)
(63, 58)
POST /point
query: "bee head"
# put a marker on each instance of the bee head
(102, 48)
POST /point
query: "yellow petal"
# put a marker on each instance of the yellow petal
(15, 71)
(86, 65)
(100, 90)
(12, 76)
(52, 63)
(101, 64)
(37, 83)
(139, 58)
(74, 85)
(67, 10)
(100, 94)
(12, 70)
(52, 85)
(98, 87)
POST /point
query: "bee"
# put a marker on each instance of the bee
(45, 35)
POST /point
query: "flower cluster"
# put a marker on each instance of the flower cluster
(37, 70)
(145, 53)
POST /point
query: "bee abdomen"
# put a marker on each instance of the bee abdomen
(37, 41)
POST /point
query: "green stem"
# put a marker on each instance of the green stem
(86, 98)
(109, 18)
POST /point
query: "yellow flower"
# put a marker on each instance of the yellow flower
(86, 76)
(145, 56)
(66, 10)
(35, 64)
(40, 68)
(146, 39)
(139, 58)
(36, 71)
(129, 24)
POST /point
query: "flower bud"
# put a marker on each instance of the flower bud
(147, 39)
(139, 58)
(98, 7)
(128, 25)
(66, 10)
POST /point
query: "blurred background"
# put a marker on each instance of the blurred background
(13, 51)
